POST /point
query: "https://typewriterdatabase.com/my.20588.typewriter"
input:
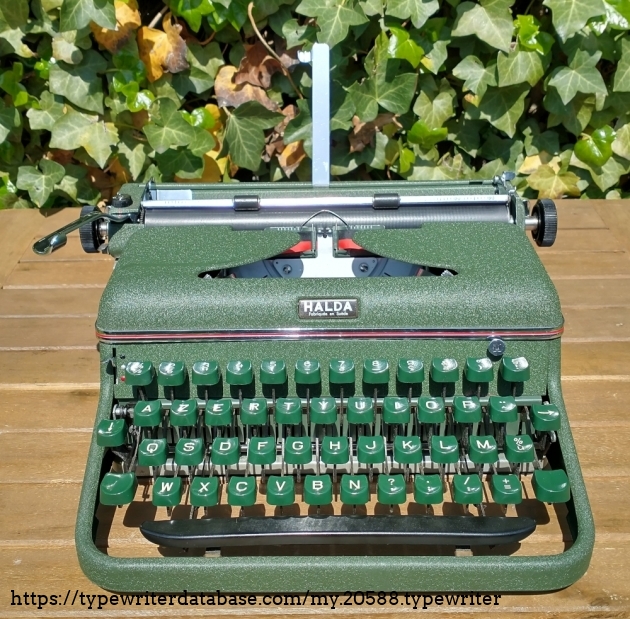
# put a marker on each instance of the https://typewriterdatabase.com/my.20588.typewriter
(329, 386)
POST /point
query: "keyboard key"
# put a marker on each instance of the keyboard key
(479, 370)
(111, 432)
(466, 410)
(482, 449)
(147, 413)
(335, 450)
(407, 449)
(118, 488)
(273, 372)
(360, 410)
(431, 410)
(428, 489)
(467, 489)
(280, 490)
(261, 450)
(317, 490)
(444, 449)
(167, 491)
(376, 371)
(396, 410)
(323, 410)
(218, 413)
(515, 369)
(341, 371)
(171, 373)
(254, 412)
(551, 486)
(189, 451)
(225, 451)
(355, 489)
(371, 449)
(307, 372)
(391, 489)
(297, 450)
(444, 370)
(239, 373)
(410, 371)
(204, 491)
(288, 411)
(519, 449)
(139, 373)
(183, 413)
(241, 491)
(506, 489)
(206, 374)
(503, 409)
(545, 417)
(152, 452)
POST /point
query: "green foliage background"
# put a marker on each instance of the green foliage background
(422, 90)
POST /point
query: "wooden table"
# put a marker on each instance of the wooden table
(49, 386)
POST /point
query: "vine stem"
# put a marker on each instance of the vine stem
(157, 18)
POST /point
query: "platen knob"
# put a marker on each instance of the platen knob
(547, 215)
(88, 233)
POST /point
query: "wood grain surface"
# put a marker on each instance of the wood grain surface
(49, 388)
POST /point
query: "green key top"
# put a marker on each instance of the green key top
(118, 488)
(519, 449)
(206, 374)
(467, 489)
(262, 450)
(431, 410)
(307, 372)
(323, 410)
(218, 412)
(391, 489)
(551, 486)
(410, 371)
(503, 409)
(466, 410)
(317, 490)
(444, 370)
(444, 449)
(341, 371)
(225, 451)
(506, 489)
(273, 372)
(152, 452)
(335, 450)
(479, 370)
(239, 373)
(407, 449)
(204, 491)
(288, 411)
(371, 449)
(355, 489)
(147, 413)
(171, 373)
(138, 373)
(482, 449)
(167, 491)
(428, 489)
(241, 491)
(515, 369)
(545, 417)
(189, 451)
(111, 432)
(360, 410)
(376, 371)
(254, 412)
(183, 413)
(280, 491)
(297, 450)
(396, 410)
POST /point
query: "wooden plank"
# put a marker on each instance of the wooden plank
(578, 215)
(587, 265)
(593, 292)
(57, 218)
(589, 359)
(597, 240)
(60, 274)
(616, 215)
(37, 367)
(608, 323)
(80, 302)
(597, 403)
(47, 332)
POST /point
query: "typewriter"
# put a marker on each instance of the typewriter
(344, 385)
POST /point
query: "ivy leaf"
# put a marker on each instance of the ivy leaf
(402, 46)
(478, 77)
(621, 145)
(76, 14)
(9, 120)
(605, 176)
(181, 163)
(519, 66)
(553, 183)
(192, 11)
(490, 21)
(575, 116)
(570, 17)
(40, 183)
(14, 13)
(132, 153)
(80, 84)
(301, 127)
(580, 76)
(416, 10)
(245, 133)
(435, 104)
(333, 18)
(202, 142)
(427, 138)
(621, 82)
(205, 62)
(434, 40)
(49, 112)
(11, 43)
(168, 129)
(501, 107)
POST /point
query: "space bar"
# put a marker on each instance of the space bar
(303, 530)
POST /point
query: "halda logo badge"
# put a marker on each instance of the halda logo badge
(328, 308)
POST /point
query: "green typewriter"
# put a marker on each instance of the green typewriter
(329, 386)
